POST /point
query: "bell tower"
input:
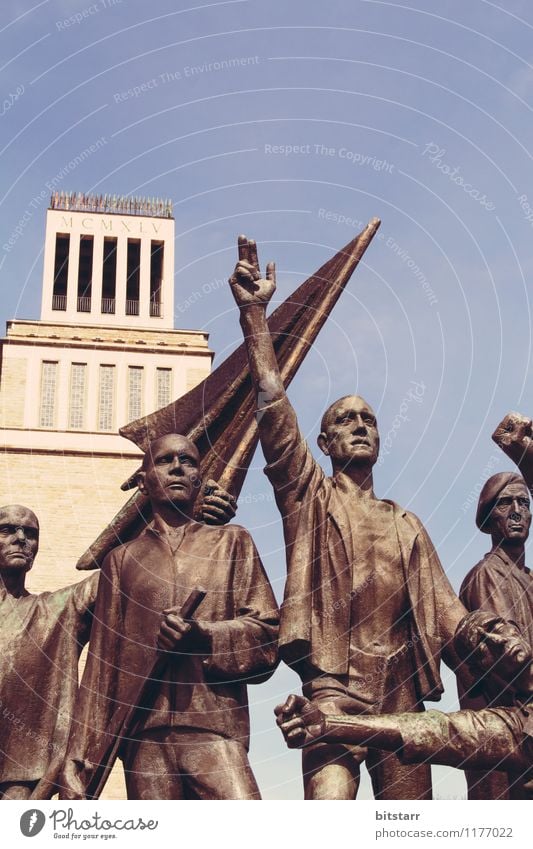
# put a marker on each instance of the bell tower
(104, 352)
(109, 261)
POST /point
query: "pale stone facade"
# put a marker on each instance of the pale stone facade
(91, 363)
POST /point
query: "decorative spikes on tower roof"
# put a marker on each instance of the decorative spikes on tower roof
(113, 204)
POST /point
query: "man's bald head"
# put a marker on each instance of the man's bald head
(19, 537)
(332, 411)
(349, 433)
(18, 510)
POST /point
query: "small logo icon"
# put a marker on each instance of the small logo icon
(32, 822)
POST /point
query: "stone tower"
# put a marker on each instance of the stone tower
(104, 352)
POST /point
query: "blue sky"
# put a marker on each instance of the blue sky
(419, 114)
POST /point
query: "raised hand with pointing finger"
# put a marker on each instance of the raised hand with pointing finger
(247, 285)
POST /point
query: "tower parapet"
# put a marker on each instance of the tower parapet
(109, 260)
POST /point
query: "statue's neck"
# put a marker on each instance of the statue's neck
(171, 518)
(514, 551)
(359, 475)
(12, 582)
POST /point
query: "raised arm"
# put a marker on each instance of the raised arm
(514, 435)
(291, 467)
(252, 294)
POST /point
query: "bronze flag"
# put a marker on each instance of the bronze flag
(218, 415)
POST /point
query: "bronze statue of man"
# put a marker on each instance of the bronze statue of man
(501, 584)
(368, 609)
(41, 637)
(492, 738)
(191, 740)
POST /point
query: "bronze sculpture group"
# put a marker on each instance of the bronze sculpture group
(367, 614)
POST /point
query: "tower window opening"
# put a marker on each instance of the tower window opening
(156, 277)
(85, 273)
(59, 296)
(109, 275)
(133, 276)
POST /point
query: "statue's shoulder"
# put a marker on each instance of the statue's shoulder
(117, 555)
(216, 532)
(9, 603)
(400, 513)
(489, 564)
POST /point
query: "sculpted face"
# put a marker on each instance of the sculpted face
(349, 433)
(19, 538)
(510, 518)
(503, 650)
(170, 475)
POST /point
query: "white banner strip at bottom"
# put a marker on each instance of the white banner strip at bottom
(268, 824)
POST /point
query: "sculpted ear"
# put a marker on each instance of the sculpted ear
(322, 442)
(140, 482)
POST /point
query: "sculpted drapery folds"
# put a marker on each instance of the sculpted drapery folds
(41, 639)
(322, 543)
(367, 608)
(191, 740)
(139, 581)
(40, 643)
(500, 584)
(492, 738)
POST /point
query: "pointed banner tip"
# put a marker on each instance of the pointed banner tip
(219, 414)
